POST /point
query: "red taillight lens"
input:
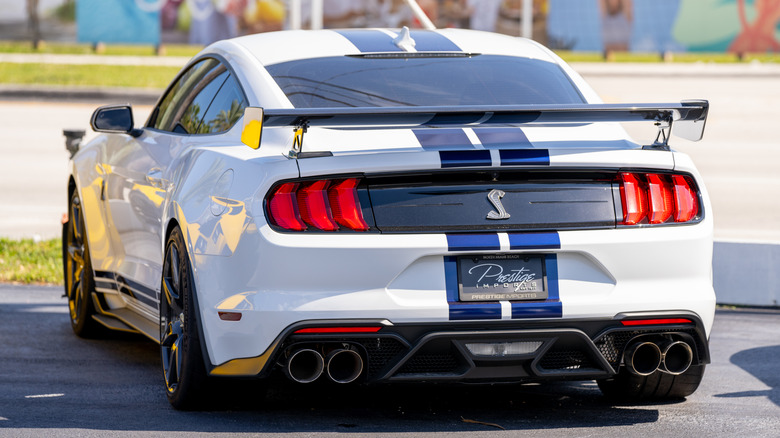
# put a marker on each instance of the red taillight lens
(685, 199)
(314, 206)
(632, 193)
(345, 205)
(658, 198)
(322, 204)
(283, 208)
(661, 200)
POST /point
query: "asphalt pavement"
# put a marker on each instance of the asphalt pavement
(53, 383)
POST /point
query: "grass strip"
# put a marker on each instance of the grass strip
(86, 75)
(29, 262)
(87, 49)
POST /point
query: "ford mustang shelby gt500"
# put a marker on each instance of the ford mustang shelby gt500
(384, 206)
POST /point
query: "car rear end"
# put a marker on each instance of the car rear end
(462, 250)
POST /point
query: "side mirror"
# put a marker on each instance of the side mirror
(114, 119)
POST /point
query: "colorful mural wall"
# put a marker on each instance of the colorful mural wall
(738, 26)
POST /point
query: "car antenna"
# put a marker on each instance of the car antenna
(404, 40)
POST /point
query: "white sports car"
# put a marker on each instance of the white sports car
(382, 206)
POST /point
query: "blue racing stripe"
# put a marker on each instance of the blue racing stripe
(534, 241)
(375, 41)
(462, 310)
(428, 41)
(550, 308)
(473, 242)
(495, 138)
(451, 278)
(524, 157)
(439, 139)
(370, 40)
(475, 158)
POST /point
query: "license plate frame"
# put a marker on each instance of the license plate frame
(502, 277)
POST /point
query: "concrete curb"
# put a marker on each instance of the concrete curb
(744, 273)
(698, 69)
(133, 96)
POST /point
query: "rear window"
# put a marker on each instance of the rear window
(349, 81)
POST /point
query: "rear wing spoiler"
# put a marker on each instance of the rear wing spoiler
(685, 119)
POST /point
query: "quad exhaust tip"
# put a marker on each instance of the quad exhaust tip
(306, 365)
(678, 357)
(344, 366)
(645, 358)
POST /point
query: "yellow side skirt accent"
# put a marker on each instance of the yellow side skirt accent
(249, 366)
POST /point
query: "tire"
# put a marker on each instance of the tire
(184, 372)
(78, 276)
(658, 386)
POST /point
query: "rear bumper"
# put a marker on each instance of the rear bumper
(570, 350)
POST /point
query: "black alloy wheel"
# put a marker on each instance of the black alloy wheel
(182, 358)
(79, 282)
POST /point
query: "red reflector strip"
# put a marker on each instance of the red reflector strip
(634, 322)
(229, 316)
(339, 330)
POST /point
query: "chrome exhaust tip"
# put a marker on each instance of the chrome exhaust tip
(344, 365)
(305, 366)
(677, 358)
(643, 358)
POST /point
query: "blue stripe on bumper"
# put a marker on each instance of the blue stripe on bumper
(550, 308)
(473, 242)
(524, 157)
(534, 241)
(475, 158)
(458, 310)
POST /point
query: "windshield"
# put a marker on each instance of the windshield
(355, 81)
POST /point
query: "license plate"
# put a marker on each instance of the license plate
(509, 277)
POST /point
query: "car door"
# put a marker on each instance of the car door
(136, 169)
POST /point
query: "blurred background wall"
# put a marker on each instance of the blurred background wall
(741, 26)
